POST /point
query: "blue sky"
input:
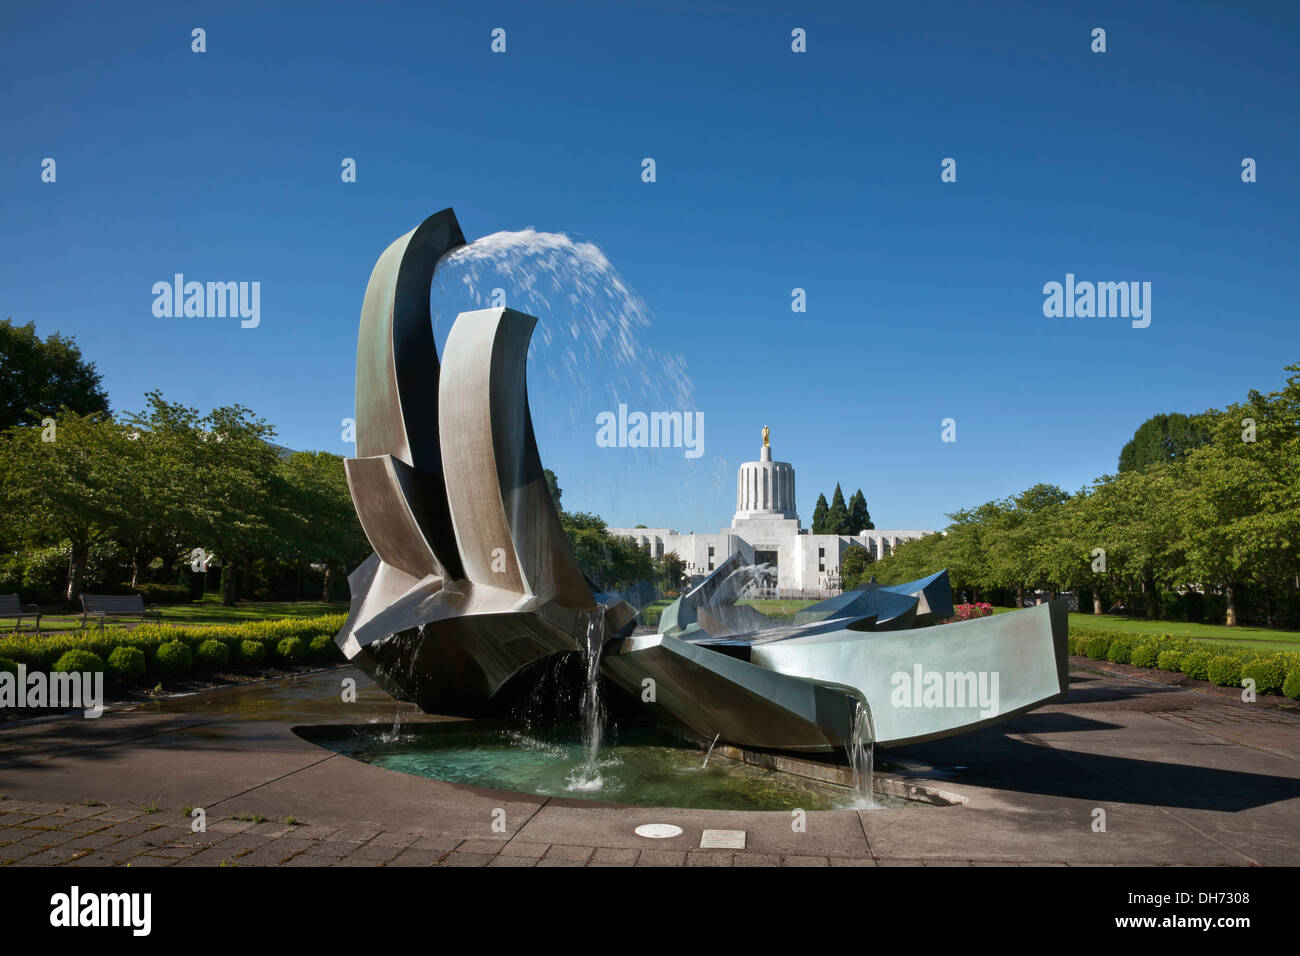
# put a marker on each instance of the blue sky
(775, 170)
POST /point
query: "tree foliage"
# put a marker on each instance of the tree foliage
(1218, 521)
(1162, 439)
(167, 480)
(39, 378)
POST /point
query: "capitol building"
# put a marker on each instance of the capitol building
(765, 530)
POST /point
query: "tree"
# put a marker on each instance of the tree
(837, 519)
(820, 513)
(38, 378)
(553, 486)
(1163, 438)
(1238, 498)
(671, 571)
(611, 562)
(1011, 558)
(67, 485)
(224, 487)
(859, 516)
(855, 564)
(315, 521)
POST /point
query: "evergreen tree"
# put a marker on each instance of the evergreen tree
(859, 516)
(837, 520)
(819, 515)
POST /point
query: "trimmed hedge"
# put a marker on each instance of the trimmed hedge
(127, 663)
(1096, 647)
(211, 655)
(1197, 665)
(1170, 660)
(1291, 686)
(324, 648)
(1268, 673)
(41, 652)
(1119, 651)
(291, 650)
(1274, 672)
(161, 593)
(174, 657)
(76, 660)
(250, 652)
(7, 666)
(1144, 655)
(1225, 670)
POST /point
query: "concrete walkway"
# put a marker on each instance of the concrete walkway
(1182, 778)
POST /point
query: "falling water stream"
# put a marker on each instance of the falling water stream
(586, 775)
(861, 753)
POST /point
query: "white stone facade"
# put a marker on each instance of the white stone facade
(765, 529)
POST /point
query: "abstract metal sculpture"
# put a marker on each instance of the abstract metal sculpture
(472, 578)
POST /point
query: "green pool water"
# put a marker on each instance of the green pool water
(644, 766)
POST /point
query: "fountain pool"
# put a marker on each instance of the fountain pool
(644, 766)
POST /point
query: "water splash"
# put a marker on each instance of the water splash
(588, 313)
(744, 582)
(592, 349)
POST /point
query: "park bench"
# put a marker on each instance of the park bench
(11, 606)
(105, 606)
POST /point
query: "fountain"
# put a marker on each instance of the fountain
(472, 581)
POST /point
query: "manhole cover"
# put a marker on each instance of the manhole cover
(658, 831)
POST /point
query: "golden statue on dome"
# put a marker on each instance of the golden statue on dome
(766, 434)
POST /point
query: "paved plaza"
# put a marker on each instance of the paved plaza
(1183, 777)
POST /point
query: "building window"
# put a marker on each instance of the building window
(821, 559)
(710, 557)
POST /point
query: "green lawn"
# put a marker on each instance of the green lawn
(210, 610)
(779, 608)
(1264, 639)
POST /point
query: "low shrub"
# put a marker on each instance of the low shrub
(1170, 660)
(250, 652)
(211, 655)
(1120, 650)
(1224, 670)
(1144, 655)
(126, 663)
(161, 593)
(1197, 665)
(323, 648)
(1269, 674)
(78, 660)
(291, 650)
(1096, 647)
(173, 657)
(7, 666)
(1291, 686)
